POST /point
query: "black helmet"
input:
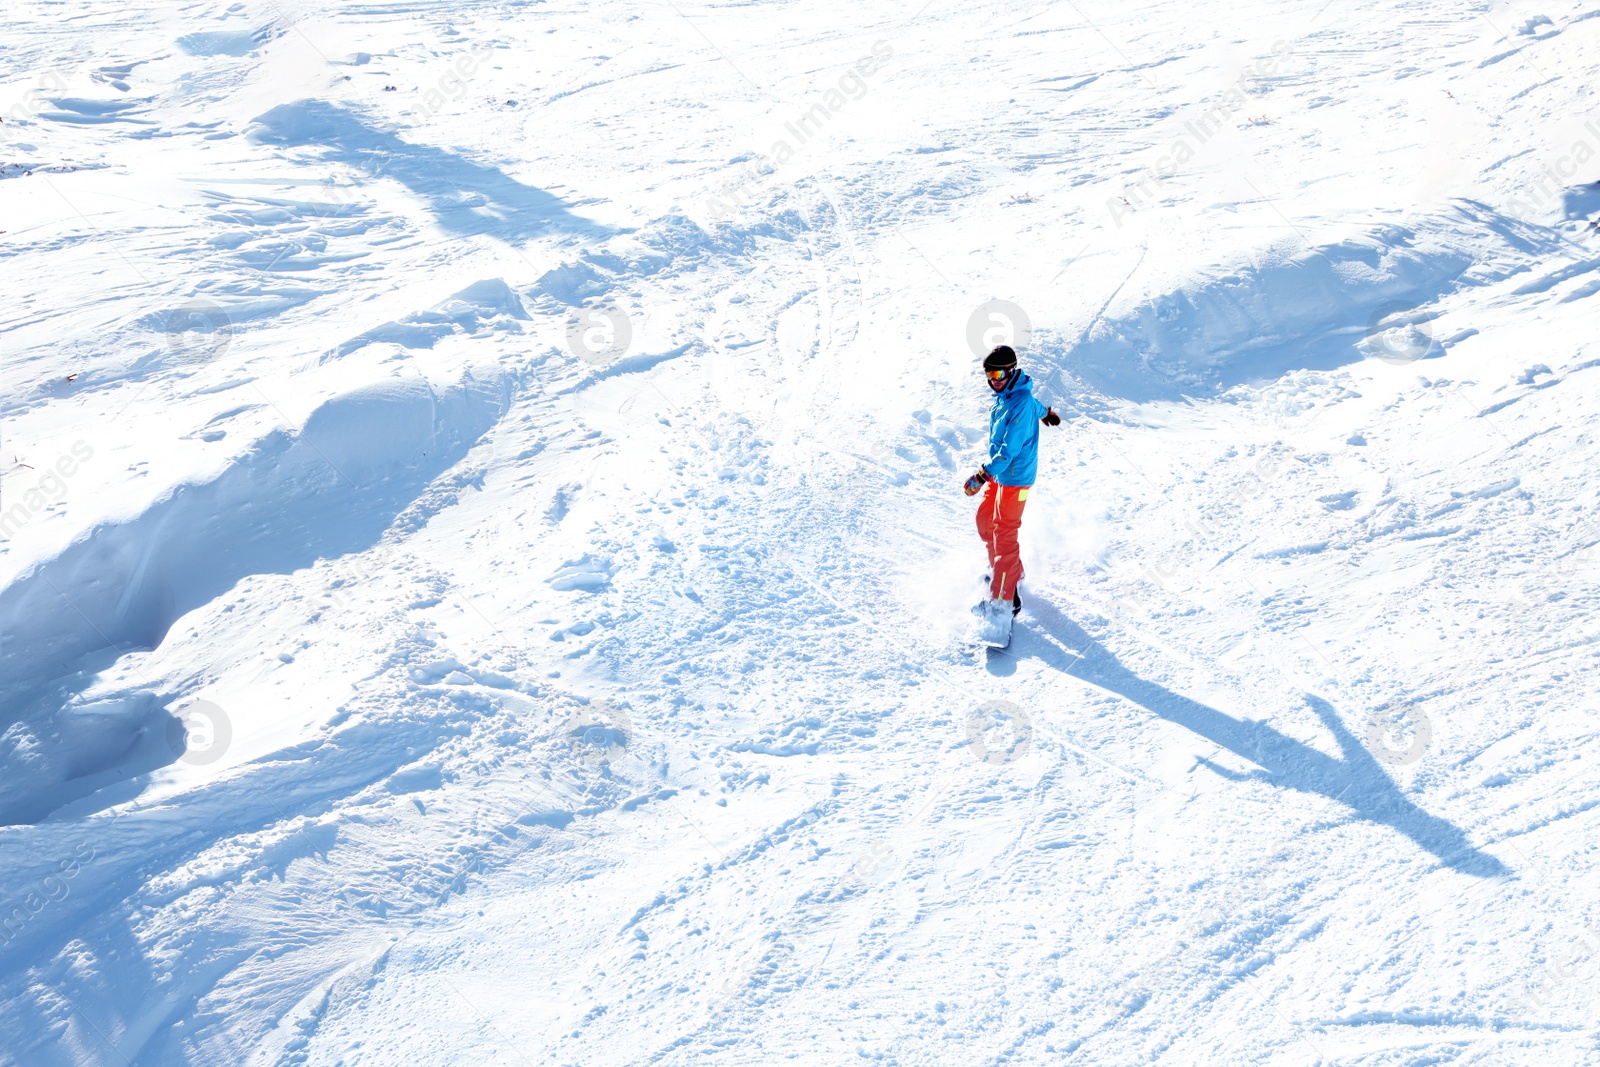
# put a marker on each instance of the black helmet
(1002, 358)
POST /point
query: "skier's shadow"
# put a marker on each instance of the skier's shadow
(1355, 779)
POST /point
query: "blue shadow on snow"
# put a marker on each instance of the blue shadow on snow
(465, 197)
(1355, 779)
(1316, 309)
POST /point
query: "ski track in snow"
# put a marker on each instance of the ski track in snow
(552, 705)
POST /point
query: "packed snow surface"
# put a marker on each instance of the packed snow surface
(484, 567)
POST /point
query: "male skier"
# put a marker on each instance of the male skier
(1014, 421)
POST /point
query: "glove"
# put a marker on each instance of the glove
(975, 482)
(1051, 418)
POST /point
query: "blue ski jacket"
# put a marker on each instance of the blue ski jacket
(1014, 434)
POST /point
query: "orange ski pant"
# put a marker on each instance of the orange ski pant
(999, 519)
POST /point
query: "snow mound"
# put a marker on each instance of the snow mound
(331, 488)
(1296, 308)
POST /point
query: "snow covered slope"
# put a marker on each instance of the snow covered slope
(483, 559)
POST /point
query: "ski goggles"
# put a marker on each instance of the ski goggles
(998, 375)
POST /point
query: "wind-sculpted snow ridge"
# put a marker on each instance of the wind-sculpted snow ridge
(255, 833)
(484, 305)
(327, 490)
(465, 197)
(1297, 308)
(484, 555)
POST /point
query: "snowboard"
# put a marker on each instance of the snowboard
(991, 624)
